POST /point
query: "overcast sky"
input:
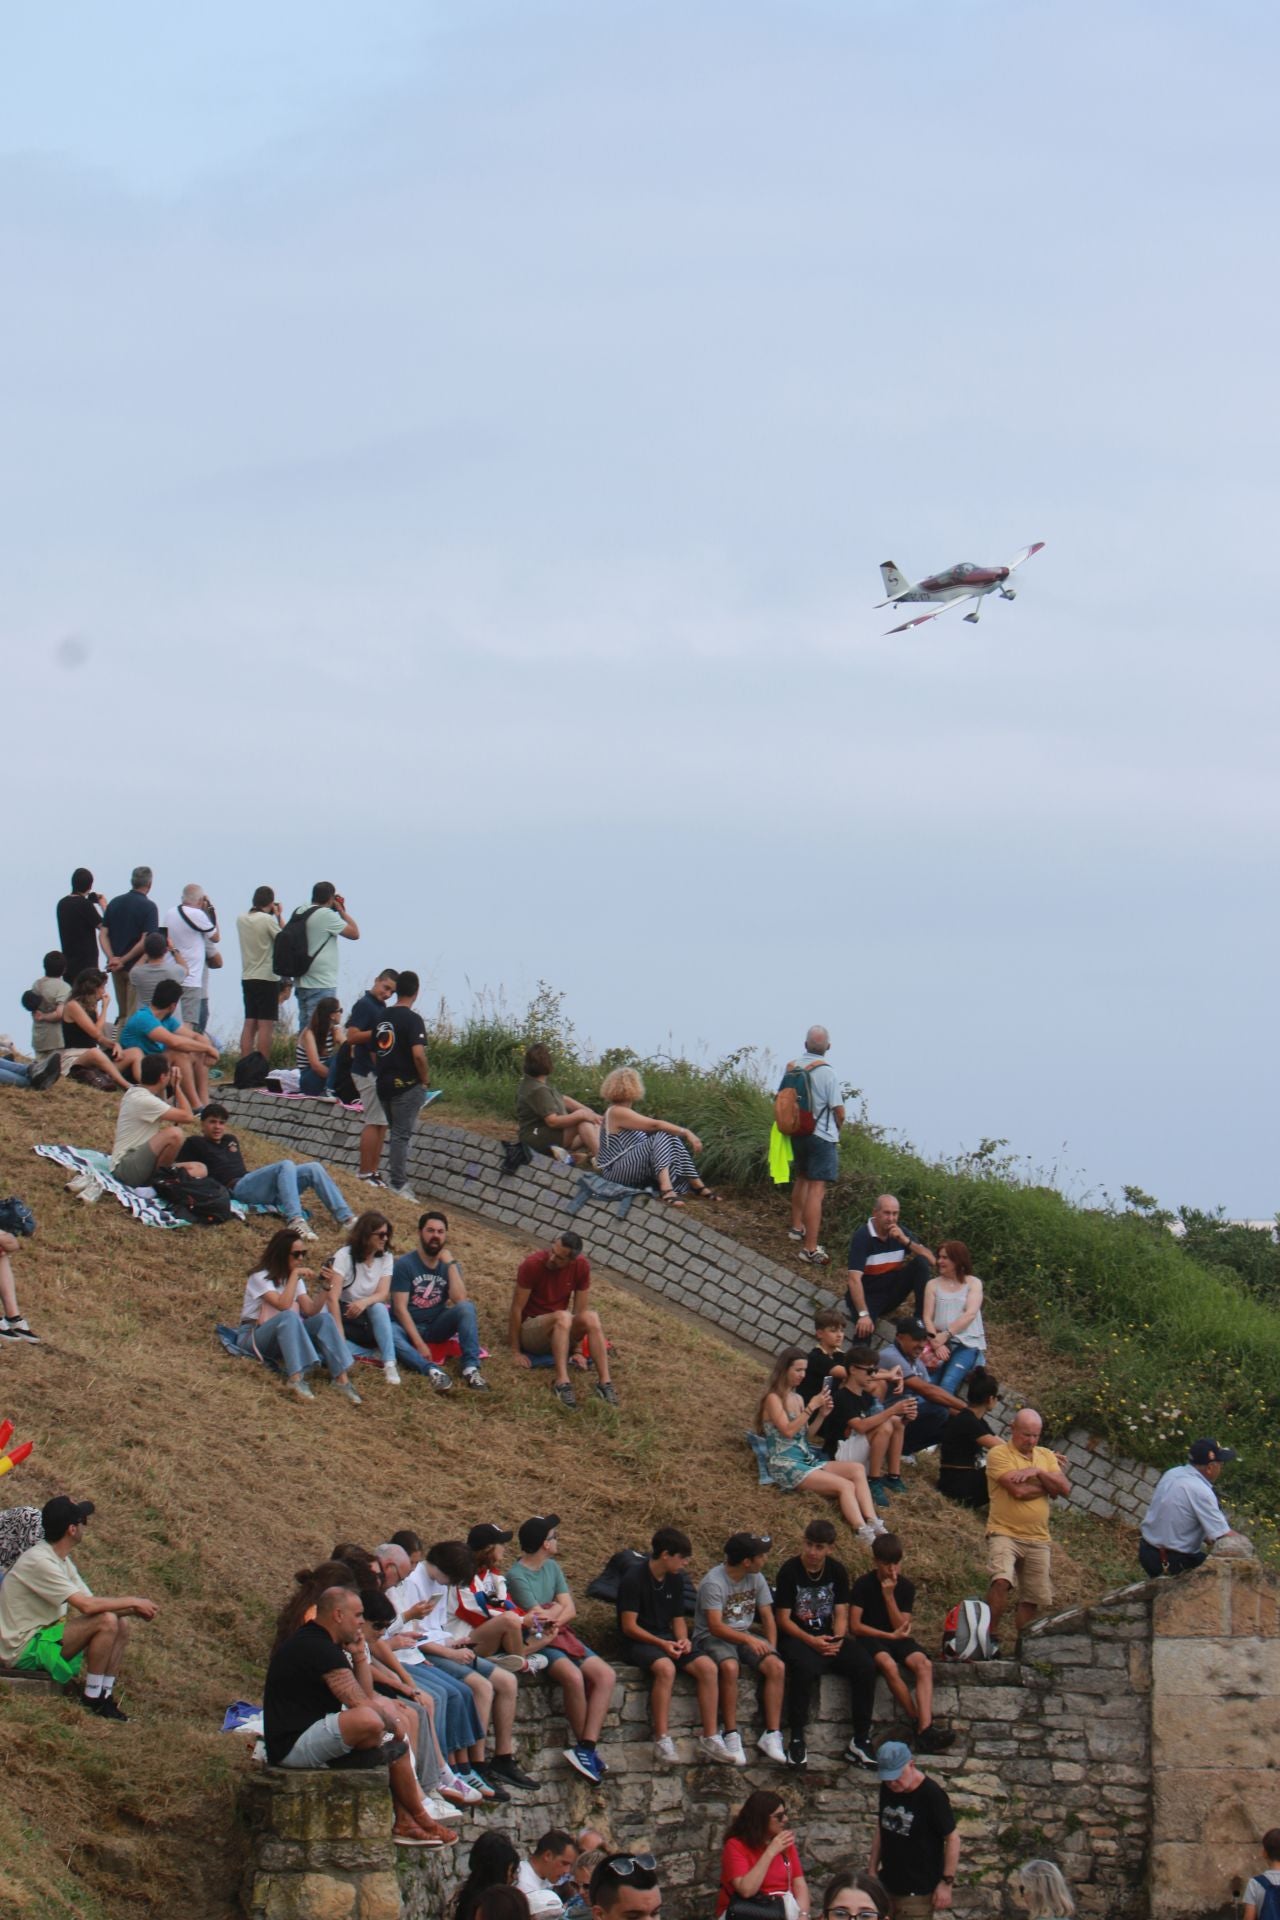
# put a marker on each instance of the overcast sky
(461, 441)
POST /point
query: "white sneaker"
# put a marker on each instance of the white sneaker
(664, 1750)
(733, 1747)
(712, 1747)
(405, 1193)
(867, 1533)
(536, 1663)
(438, 1809)
(302, 1230)
(391, 1375)
(457, 1790)
(770, 1745)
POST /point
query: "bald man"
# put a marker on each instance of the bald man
(887, 1264)
(1023, 1479)
(815, 1161)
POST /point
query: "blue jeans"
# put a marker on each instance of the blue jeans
(280, 1185)
(309, 999)
(376, 1320)
(317, 1083)
(457, 1721)
(293, 1342)
(961, 1364)
(402, 1118)
(15, 1073)
(442, 1323)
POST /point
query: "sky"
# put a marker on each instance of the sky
(449, 451)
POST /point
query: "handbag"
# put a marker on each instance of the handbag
(569, 1643)
(761, 1906)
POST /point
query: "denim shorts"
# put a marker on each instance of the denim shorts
(552, 1654)
(814, 1159)
(321, 1743)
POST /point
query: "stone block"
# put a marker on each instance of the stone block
(302, 1896)
(1197, 1729)
(1196, 1604)
(1241, 1667)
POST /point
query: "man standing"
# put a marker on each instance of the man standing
(430, 1305)
(1184, 1513)
(815, 1156)
(326, 921)
(548, 1316)
(1023, 1477)
(79, 917)
(401, 1079)
(51, 1623)
(126, 922)
(192, 927)
(259, 981)
(886, 1264)
(545, 1871)
(916, 1847)
(811, 1603)
(362, 1031)
(278, 1185)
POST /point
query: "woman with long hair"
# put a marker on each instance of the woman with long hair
(364, 1266)
(282, 1324)
(492, 1862)
(788, 1426)
(316, 1054)
(953, 1314)
(639, 1151)
(1040, 1890)
(84, 1032)
(759, 1856)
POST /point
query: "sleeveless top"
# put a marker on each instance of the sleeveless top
(948, 1307)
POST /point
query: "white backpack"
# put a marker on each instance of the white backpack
(966, 1632)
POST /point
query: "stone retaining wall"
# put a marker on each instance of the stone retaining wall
(674, 1253)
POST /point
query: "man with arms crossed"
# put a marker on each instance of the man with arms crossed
(1023, 1478)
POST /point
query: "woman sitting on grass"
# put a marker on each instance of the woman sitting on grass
(364, 1266)
(967, 1436)
(84, 1032)
(280, 1322)
(788, 1427)
(638, 1151)
(953, 1315)
(316, 1054)
(549, 1119)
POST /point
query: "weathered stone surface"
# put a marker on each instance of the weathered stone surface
(1214, 1667)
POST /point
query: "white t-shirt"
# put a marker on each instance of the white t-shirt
(368, 1276)
(540, 1894)
(256, 1306)
(140, 1116)
(187, 938)
(1256, 1891)
(418, 1585)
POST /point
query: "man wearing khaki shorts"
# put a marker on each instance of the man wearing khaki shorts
(548, 1316)
(1023, 1477)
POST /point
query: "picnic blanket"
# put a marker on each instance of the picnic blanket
(143, 1203)
(594, 1186)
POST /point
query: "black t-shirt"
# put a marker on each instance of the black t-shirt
(398, 1031)
(818, 1366)
(655, 1603)
(913, 1828)
(868, 1594)
(811, 1598)
(364, 1017)
(223, 1158)
(958, 1446)
(296, 1694)
(845, 1406)
(78, 919)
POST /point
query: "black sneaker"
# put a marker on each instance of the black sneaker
(860, 1756)
(506, 1768)
(45, 1072)
(797, 1752)
(490, 1779)
(105, 1708)
(19, 1330)
(934, 1740)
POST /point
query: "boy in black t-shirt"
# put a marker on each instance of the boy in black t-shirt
(826, 1361)
(811, 1605)
(871, 1430)
(401, 1079)
(652, 1617)
(880, 1617)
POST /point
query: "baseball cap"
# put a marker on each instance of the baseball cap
(487, 1535)
(534, 1532)
(1204, 1453)
(60, 1514)
(913, 1328)
(893, 1758)
(745, 1546)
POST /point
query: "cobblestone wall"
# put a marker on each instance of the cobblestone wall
(675, 1253)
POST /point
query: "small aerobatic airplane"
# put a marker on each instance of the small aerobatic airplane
(963, 582)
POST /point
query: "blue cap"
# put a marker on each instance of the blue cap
(893, 1758)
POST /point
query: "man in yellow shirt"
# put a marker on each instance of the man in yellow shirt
(1022, 1477)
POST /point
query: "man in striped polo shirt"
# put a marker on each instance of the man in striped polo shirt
(886, 1264)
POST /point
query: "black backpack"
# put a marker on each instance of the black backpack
(607, 1582)
(252, 1069)
(289, 954)
(343, 1085)
(201, 1198)
(17, 1217)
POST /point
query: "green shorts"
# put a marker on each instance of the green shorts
(43, 1654)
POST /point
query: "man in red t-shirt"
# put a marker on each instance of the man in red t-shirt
(548, 1316)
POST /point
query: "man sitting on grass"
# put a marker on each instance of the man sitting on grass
(148, 1127)
(430, 1306)
(317, 1713)
(548, 1316)
(51, 1623)
(652, 1617)
(278, 1185)
(880, 1620)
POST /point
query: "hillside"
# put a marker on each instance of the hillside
(212, 1486)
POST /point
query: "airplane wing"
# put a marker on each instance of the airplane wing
(1025, 554)
(921, 618)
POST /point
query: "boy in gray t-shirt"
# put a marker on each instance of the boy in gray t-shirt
(156, 964)
(733, 1622)
(48, 992)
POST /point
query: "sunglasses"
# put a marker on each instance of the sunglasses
(297, 1253)
(626, 1864)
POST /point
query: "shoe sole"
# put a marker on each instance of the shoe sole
(579, 1767)
(509, 1662)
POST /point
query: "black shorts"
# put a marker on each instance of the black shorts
(261, 999)
(899, 1650)
(642, 1654)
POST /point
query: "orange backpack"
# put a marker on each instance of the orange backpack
(793, 1102)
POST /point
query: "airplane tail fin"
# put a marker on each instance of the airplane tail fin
(894, 582)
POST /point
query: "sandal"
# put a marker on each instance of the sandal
(671, 1199)
(704, 1193)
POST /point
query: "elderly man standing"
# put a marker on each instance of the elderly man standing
(192, 927)
(1184, 1513)
(815, 1156)
(1023, 1478)
(886, 1263)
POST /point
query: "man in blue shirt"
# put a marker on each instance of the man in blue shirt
(933, 1403)
(126, 922)
(430, 1305)
(157, 1029)
(886, 1265)
(815, 1159)
(1184, 1513)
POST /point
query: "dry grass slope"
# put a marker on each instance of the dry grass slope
(212, 1486)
